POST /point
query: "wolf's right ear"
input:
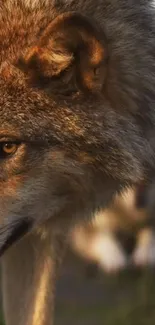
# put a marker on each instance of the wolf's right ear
(70, 43)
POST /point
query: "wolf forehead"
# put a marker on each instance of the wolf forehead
(31, 114)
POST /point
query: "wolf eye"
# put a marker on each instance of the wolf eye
(7, 149)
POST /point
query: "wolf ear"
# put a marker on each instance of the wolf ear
(71, 45)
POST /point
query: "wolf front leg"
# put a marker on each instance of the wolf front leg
(29, 270)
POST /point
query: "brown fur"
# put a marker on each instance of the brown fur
(77, 91)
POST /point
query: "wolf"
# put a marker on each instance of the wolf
(77, 93)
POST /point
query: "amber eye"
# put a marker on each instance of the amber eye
(7, 149)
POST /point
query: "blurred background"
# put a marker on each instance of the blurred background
(85, 297)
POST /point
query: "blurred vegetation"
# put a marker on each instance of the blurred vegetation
(1, 320)
(125, 299)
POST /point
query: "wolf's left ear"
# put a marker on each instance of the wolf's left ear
(70, 44)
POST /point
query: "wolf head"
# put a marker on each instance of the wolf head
(71, 133)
